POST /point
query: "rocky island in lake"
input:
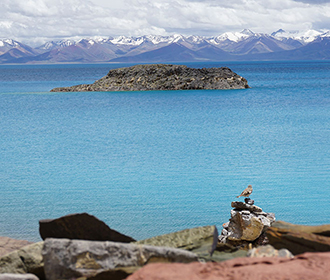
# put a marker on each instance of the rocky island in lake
(163, 77)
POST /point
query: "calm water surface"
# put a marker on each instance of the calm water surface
(148, 163)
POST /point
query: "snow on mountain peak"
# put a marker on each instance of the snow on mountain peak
(157, 39)
(310, 35)
(196, 39)
(177, 38)
(302, 36)
(122, 40)
(247, 32)
(8, 42)
(91, 42)
(233, 36)
(325, 34)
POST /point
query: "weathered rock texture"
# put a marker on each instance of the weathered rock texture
(25, 260)
(323, 230)
(303, 267)
(163, 77)
(8, 245)
(201, 240)
(66, 259)
(80, 226)
(9, 276)
(296, 241)
(247, 224)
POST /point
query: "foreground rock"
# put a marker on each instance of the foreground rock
(25, 260)
(268, 251)
(66, 259)
(323, 230)
(306, 266)
(8, 276)
(247, 224)
(8, 245)
(297, 242)
(201, 240)
(163, 77)
(80, 226)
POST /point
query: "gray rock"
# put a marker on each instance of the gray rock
(247, 224)
(225, 225)
(9, 276)
(200, 240)
(187, 239)
(285, 253)
(269, 251)
(265, 221)
(65, 259)
(80, 226)
(25, 260)
(238, 205)
(163, 77)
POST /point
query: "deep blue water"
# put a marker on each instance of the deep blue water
(149, 163)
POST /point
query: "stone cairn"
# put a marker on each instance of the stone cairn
(247, 225)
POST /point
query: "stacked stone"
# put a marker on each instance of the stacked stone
(247, 224)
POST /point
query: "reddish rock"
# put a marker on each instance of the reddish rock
(8, 245)
(306, 266)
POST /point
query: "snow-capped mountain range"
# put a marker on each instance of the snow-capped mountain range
(244, 45)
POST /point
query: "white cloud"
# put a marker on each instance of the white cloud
(39, 20)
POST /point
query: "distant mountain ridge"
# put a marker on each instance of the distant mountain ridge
(229, 46)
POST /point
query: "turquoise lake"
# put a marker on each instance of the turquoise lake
(150, 163)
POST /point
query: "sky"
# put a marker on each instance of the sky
(38, 21)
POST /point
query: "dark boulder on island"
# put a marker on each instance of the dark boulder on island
(163, 77)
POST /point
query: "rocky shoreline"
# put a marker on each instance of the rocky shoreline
(81, 246)
(148, 77)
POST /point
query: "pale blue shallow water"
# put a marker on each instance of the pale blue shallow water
(149, 163)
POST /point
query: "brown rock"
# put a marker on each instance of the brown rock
(8, 245)
(320, 230)
(303, 267)
(297, 242)
(80, 226)
(244, 226)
